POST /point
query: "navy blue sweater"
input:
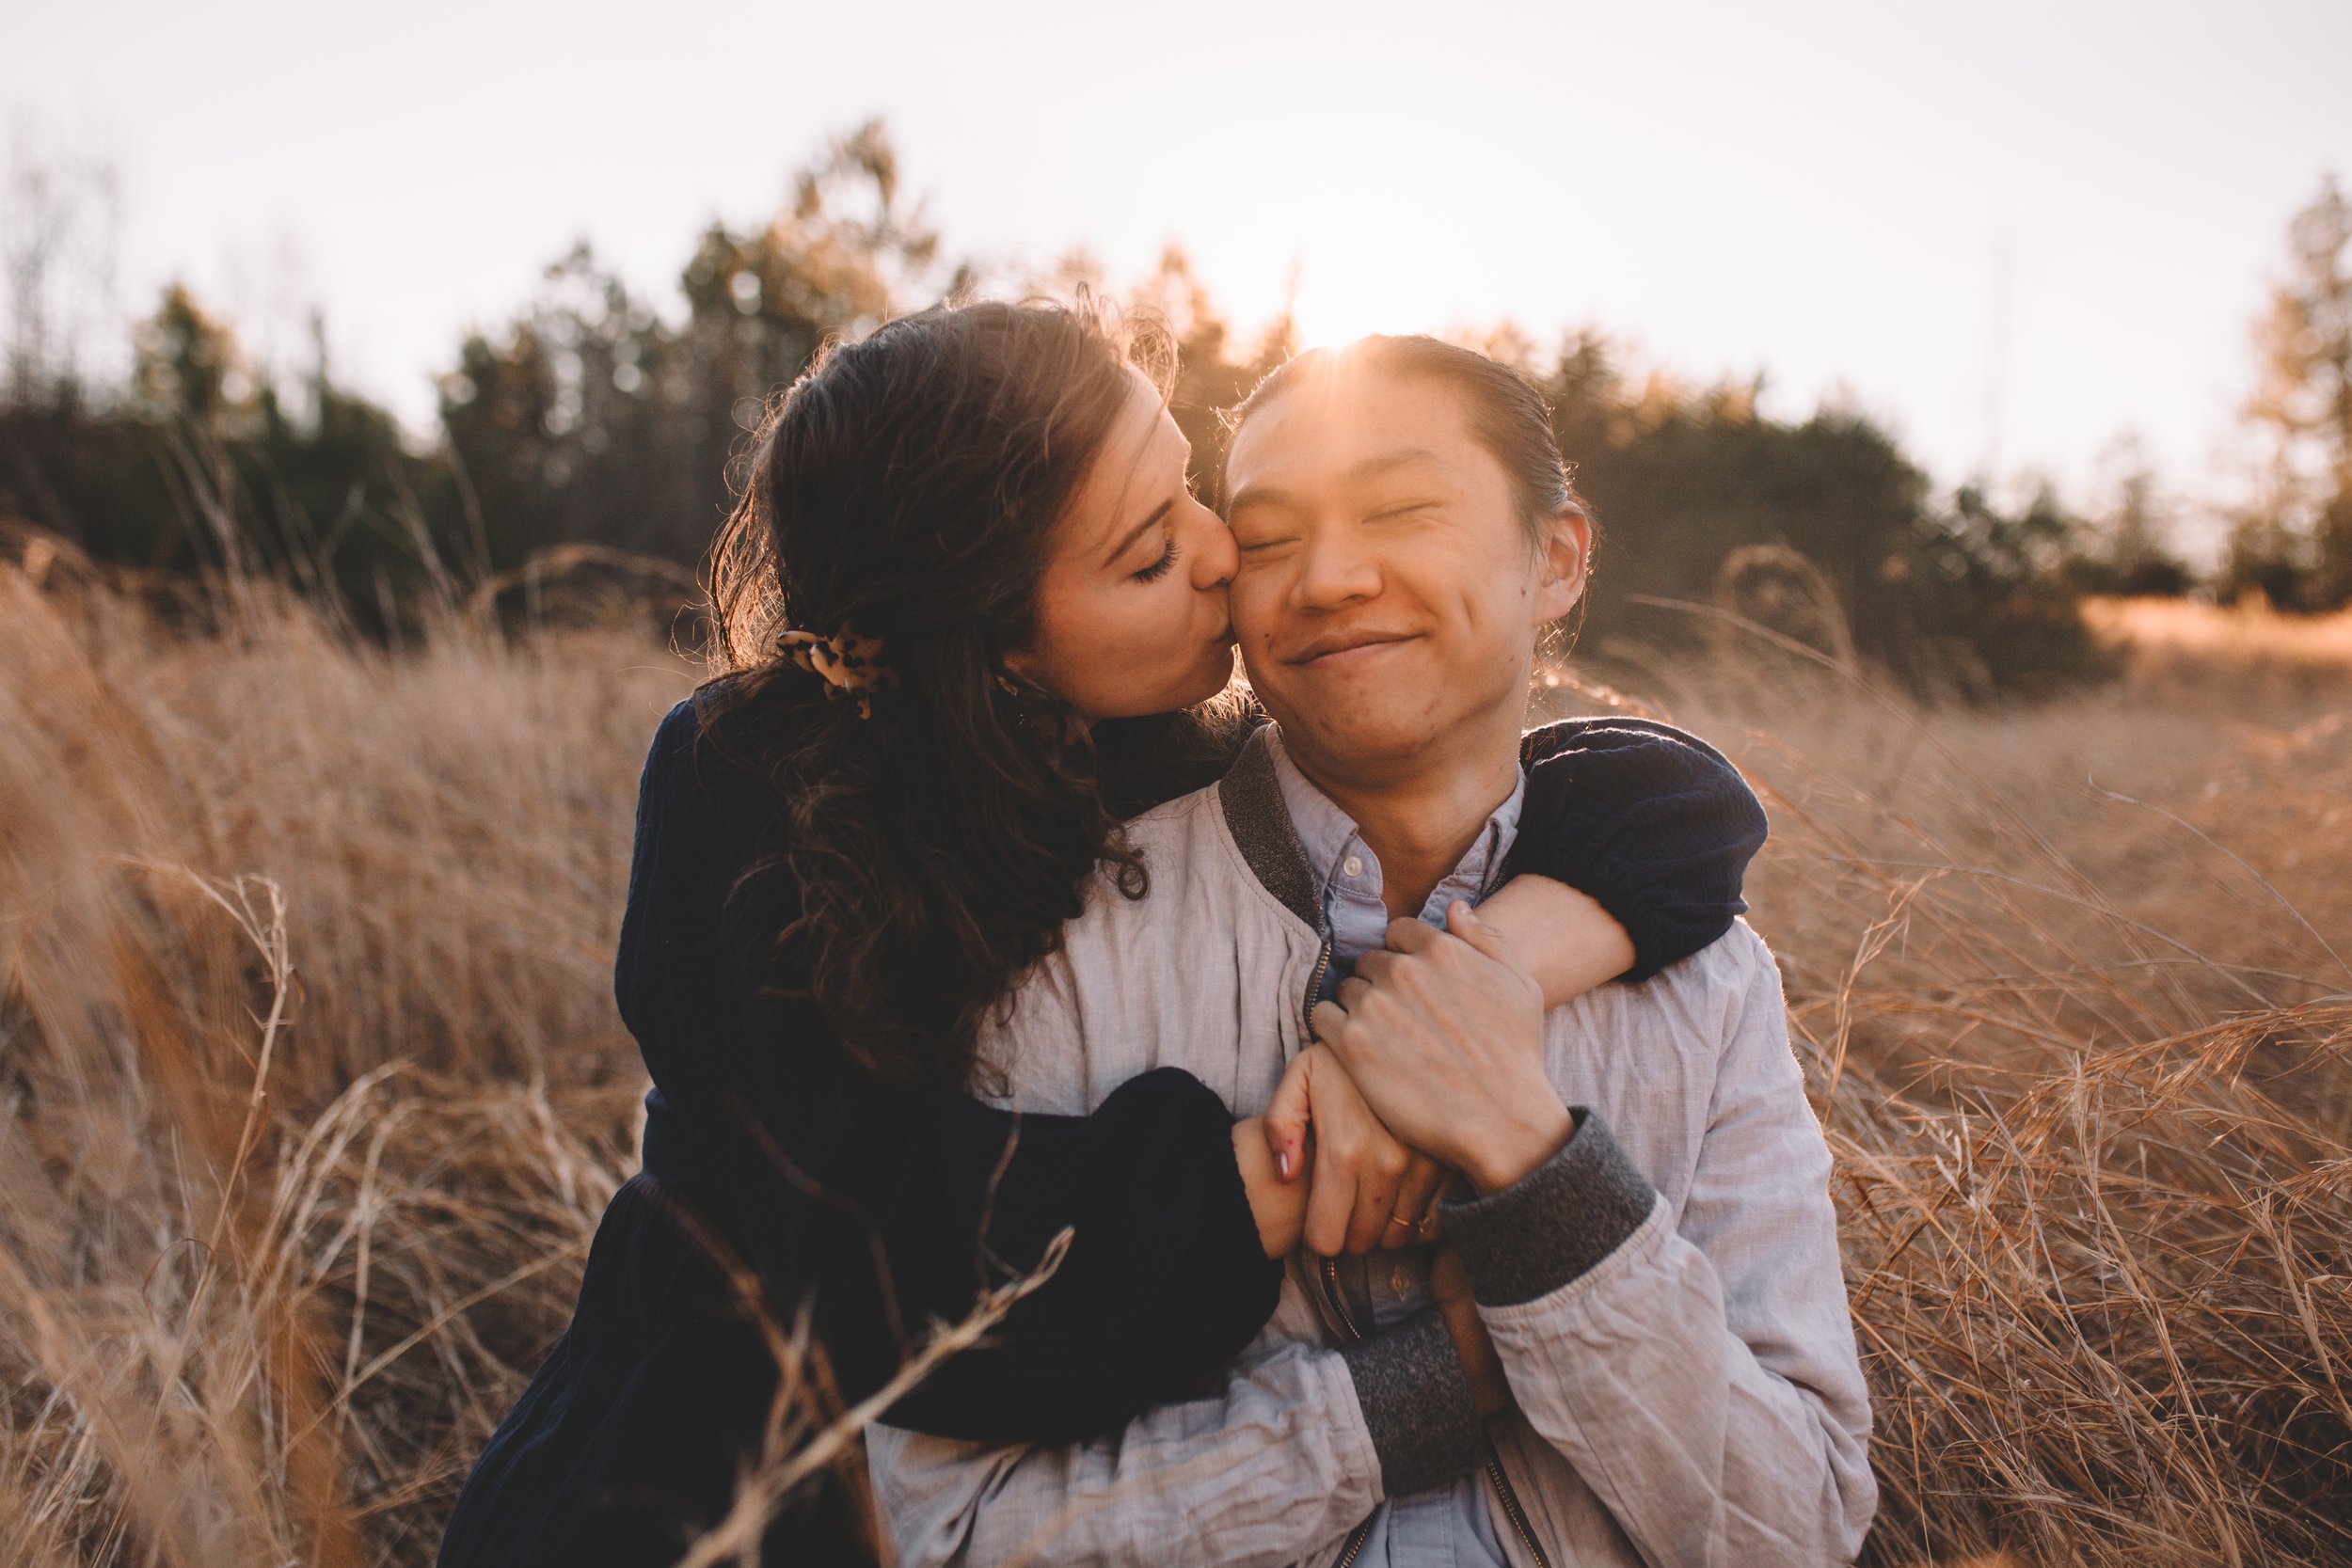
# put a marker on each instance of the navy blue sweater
(881, 1213)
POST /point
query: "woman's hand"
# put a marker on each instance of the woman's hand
(1278, 1201)
(1367, 1190)
(1450, 1290)
(1445, 1036)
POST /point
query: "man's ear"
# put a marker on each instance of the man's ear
(1564, 563)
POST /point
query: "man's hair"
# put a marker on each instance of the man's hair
(1506, 414)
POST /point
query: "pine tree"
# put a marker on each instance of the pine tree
(2302, 406)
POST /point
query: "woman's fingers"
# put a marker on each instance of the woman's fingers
(1375, 1205)
(1330, 1203)
(1416, 1201)
(1357, 1163)
(1287, 1116)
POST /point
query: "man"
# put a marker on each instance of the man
(1654, 1272)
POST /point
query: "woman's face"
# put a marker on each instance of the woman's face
(1131, 609)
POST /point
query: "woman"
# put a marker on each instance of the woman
(968, 630)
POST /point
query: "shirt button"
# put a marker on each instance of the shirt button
(1353, 865)
(1401, 1281)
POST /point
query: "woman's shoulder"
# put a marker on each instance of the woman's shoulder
(1618, 741)
(707, 809)
(1614, 767)
(708, 745)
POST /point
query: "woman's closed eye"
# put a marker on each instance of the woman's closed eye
(1159, 568)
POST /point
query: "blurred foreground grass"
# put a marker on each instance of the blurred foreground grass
(312, 1090)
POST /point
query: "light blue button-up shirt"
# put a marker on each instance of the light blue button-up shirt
(1447, 1527)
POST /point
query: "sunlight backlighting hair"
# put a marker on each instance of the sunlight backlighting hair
(1506, 414)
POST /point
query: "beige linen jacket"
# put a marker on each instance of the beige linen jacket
(1686, 1380)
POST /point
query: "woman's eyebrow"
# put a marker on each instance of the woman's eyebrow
(1128, 539)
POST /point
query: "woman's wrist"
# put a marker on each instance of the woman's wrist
(1560, 935)
(1490, 1390)
(1279, 1207)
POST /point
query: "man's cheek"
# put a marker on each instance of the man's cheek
(1255, 614)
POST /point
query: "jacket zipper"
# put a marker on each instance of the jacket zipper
(1335, 1300)
(1329, 1275)
(1510, 1500)
(1314, 990)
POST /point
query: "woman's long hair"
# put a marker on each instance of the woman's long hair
(907, 488)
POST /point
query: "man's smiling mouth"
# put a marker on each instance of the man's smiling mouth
(1333, 644)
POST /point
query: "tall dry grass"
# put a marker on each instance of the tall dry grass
(311, 1092)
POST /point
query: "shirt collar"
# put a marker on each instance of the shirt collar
(1330, 838)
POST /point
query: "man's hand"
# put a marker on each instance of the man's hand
(1445, 1036)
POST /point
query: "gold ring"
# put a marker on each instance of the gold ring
(1401, 1222)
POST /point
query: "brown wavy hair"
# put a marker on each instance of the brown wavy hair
(908, 487)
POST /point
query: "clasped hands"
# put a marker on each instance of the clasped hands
(1429, 1062)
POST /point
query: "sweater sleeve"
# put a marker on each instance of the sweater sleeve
(882, 1214)
(1655, 824)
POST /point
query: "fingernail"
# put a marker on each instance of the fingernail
(1282, 1163)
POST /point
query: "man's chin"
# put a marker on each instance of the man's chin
(1346, 738)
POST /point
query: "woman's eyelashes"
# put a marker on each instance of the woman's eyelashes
(1159, 568)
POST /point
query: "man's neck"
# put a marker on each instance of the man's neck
(1423, 819)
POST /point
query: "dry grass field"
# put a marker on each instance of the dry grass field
(312, 1090)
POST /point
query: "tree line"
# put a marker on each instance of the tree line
(594, 421)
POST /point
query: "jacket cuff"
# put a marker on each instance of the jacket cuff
(1553, 1223)
(1416, 1404)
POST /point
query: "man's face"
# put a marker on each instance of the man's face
(1388, 599)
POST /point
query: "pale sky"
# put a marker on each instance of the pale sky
(2012, 232)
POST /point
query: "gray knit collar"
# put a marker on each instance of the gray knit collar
(1252, 797)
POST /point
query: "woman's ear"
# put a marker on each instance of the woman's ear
(1565, 560)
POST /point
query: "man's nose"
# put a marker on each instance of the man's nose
(1214, 559)
(1333, 568)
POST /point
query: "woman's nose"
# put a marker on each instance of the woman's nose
(1214, 559)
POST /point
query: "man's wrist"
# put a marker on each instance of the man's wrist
(1509, 1154)
(1560, 1220)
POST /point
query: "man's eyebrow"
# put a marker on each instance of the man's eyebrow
(1371, 467)
(1128, 539)
(1404, 457)
(1257, 495)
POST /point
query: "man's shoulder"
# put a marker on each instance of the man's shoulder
(1182, 840)
(1196, 871)
(1182, 814)
(1731, 961)
(1706, 989)
(1186, 847)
